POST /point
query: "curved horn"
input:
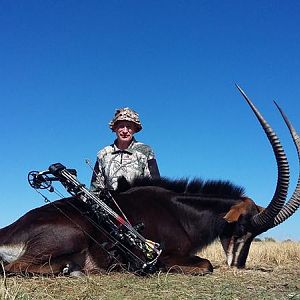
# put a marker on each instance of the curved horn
(265, 219)
(294, 202)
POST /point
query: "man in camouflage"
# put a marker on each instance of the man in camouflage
(126, 156)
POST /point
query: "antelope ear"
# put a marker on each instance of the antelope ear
(123, 184)
(232, 216)
(260, 208)
(238, 209)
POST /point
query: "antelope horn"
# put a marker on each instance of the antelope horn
(294, 202)
(265, 219)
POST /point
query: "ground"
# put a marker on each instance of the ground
(268, 276)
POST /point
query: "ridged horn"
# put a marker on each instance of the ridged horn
(265, 219)
(294, 202)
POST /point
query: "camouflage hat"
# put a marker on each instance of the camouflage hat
(126, 114)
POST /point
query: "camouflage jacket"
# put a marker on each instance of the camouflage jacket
(137, 160)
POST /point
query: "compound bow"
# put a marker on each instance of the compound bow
(127, 240)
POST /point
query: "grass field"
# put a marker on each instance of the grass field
(273, 272)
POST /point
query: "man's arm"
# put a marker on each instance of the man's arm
(98, 179)
(153, 168)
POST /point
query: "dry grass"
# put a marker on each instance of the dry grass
(273, 272)
(261, 253)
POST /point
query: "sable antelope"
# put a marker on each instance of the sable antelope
(182, 216)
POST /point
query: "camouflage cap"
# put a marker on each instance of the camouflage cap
(126, 114)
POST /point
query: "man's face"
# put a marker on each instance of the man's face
(124, 130)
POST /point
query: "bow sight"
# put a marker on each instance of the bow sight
(140, 254)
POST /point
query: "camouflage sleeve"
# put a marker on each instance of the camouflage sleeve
(98, 179)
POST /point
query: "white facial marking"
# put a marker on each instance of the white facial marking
(238, 251)
(241, 243)
(10, 253)
(229, 253)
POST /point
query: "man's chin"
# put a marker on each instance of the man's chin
(126, 139)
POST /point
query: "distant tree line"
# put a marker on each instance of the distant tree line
(269, 239)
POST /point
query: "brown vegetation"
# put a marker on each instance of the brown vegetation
(266, 253)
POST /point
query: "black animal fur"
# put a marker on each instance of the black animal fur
(212, 188)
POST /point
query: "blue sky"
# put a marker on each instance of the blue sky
(65, 66)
